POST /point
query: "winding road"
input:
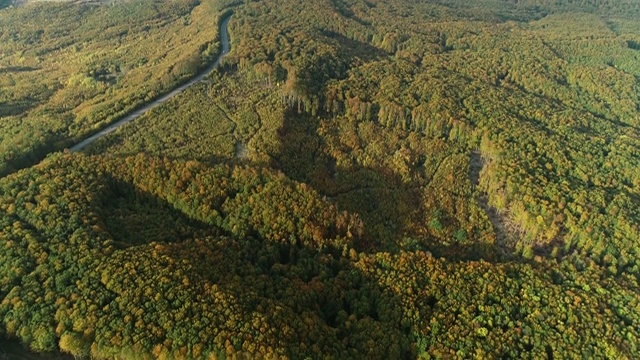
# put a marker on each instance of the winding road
(12, 349)
(224, 36)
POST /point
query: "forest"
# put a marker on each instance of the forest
(67, 70)
(358, 179)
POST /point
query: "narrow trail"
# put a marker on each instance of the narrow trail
(224, 36)
(504, 236)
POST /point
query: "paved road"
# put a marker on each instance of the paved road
(12, 349)
(224, 36)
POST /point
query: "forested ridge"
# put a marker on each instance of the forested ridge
(359, 179)
(149, 257)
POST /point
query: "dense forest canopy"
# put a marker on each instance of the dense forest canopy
(359, 179)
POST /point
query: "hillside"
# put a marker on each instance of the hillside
(536, 118)
(139, 256)
(67, 70)
(358, 179)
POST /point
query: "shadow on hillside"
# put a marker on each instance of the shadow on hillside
(28, 157)
(374, 193)
(354, 49)
(393, 210)
(316, 294)
(12, 349)
(133, 216)
(348, 13)
(305, 300)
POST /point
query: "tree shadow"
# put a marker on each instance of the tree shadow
(240, 291)
(285, 295)
(346, 11)
(353, 49)
(306, 301)
(392, 208)
(11, 349)
(8, 108)
(634, 45)
(133, 216)
(209, 159)
(30, 156)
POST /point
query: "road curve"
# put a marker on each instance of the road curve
(224, 36)
(11, 349)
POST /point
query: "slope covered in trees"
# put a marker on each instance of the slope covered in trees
(67, 70)
(355, 104)
(360, 179)
(148, 257)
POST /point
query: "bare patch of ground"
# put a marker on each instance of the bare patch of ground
(506, 232)
(241, 150)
